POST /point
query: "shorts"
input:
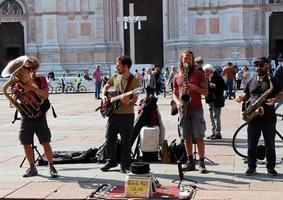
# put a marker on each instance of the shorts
(38, 126)
(194, 126)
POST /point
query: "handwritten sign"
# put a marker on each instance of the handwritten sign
(137, 187)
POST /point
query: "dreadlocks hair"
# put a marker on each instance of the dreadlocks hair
(186, 51)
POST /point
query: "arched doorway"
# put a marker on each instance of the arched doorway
(11, 32)
(275, 34)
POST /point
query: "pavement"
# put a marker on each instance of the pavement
(79, 128)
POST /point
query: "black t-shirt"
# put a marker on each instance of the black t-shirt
(255, 89)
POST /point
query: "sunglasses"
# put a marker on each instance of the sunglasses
(259, 65)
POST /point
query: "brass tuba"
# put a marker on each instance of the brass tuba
(26, 102)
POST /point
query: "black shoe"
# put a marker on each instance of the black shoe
(124, 169)
(108, 166)
(189, 166)
(209, 137)
(272, 172)
(250, 172)
(216, 136)
(202, 169)
(32, 171)
(53, 172)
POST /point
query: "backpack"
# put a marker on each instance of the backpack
(101, 156)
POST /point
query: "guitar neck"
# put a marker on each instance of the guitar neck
(120, 96)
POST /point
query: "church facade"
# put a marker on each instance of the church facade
(70, 35)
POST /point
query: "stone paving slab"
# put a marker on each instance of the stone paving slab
(239, 195)
(77, 190)
(35, 190)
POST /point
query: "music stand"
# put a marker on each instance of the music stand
(34, 148)
(195, 153)
(181, 175)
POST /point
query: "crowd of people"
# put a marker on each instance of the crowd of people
(192, 78)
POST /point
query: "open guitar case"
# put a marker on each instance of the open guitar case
(143, 119)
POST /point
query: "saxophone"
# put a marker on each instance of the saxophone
(256, 109)
(185, 98)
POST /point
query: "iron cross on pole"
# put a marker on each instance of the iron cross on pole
(132, 19)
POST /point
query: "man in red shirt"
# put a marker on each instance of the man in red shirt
(229, 74)
(192, 127)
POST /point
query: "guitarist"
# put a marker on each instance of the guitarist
(122, 119)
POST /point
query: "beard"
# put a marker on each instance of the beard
(261, 73)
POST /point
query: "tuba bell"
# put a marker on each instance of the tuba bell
(26, 102)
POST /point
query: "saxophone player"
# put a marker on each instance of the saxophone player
(260, 92)
(192, 126)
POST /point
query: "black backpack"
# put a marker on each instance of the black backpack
(101, 152)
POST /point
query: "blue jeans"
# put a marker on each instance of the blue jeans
(229, 84)
(97, 89)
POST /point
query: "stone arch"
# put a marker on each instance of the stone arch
(12, 7)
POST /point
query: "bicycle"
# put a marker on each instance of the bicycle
(70, 87)
(59, 88)
(240, 140)
(82, 88)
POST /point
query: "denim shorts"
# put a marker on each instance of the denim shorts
(38, 126)
(194, 126)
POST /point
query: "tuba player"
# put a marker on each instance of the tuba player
(37, 124)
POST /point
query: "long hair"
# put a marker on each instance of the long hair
(181, 67)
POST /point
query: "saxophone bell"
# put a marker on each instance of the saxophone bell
(186, 97)
(260, 111)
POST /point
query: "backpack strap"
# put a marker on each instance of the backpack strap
(53, 112)
(16, 117)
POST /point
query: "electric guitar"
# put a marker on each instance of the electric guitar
(113, 102)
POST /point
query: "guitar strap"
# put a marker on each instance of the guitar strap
(128, 83)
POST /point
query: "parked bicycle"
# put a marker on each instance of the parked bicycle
(59, 88)
(82, 89)
(70, 87)
(240, 140)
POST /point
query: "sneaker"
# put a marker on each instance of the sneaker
(32, 171)
(53, 172)
(250, 172)
(202, 169)
(124, 170)
(272, 172)
(188, 167)
(108, 166)
(209, 137)
(216, 136)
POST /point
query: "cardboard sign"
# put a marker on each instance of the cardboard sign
(137, 188)
(139, 185)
